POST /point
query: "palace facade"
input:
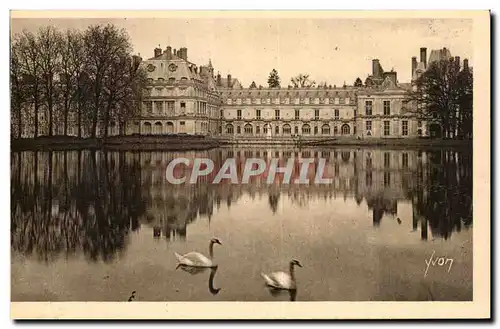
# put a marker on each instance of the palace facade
(185, 98)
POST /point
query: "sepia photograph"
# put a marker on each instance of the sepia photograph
(238, 164)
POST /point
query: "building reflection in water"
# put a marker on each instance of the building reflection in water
(90, 201)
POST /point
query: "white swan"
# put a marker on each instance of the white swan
(282, 280)
(196, 259)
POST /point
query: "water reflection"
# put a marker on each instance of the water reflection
(197, 270)
(63, 203)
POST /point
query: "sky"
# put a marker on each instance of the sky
(329, 50)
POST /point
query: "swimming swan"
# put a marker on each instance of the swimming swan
(196, 259)
(282, 280)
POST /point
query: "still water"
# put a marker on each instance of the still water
(95, 226)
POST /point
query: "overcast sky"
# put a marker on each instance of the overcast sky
(331, 50)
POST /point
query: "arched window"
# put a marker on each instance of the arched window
(287, 130)
(147, 128)
(248, 129)
(170, 127)
(346, 130)
(345, 155)
(306, 129)
(325, 129)
(158, 128)
(266, 128)
(229, 129)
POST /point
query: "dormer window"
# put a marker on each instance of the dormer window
(171, 79)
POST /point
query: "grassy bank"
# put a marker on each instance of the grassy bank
(153, 143)
(400, 142)
(189, 142)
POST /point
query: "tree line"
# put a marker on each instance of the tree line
(443, 96)
(83, 80)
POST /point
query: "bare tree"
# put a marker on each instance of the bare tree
(302, 81)
(105, 46)
(49, 43)
(27, 51)
(17, 90)
(443, 96)
(71, 85)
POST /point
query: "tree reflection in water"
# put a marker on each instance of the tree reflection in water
(89, 201)
(64, 202)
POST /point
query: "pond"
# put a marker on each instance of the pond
(392, 225)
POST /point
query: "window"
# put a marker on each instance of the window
(183, 106)
(277, 130)
(229, 101)
(347, 100)
(335, 130)
(149, 107)
(277, 114)
(387, 159)
(296, 130)
(287, 130)
(238, 129)
(337, 114)
(404, 160)
(159, 107)
(182, 123)
(248, 129)
(368, 107)
(368, 125)
(316, 114)
(387, 179)
(325, 130)
(387, 128)
(346, 130)
(266, 129)
(315, 130)
(387, 107)
(419, 124)
(306, 129)
(297, 114)
(221, 113)
(257, 130)
(257, 114)
(404, 127)
(369, 163)
(238, 114)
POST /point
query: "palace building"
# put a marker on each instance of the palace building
(191, 99)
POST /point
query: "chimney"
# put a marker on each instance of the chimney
(229, 81)
(184, 53)
(413, 65)
(466, 64)
(423, 56)
(457, 61)
(157, 51)
(169, 52)
(219, 80)
(375, 67)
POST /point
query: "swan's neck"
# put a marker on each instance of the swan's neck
(292, 271)
(211, 250)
